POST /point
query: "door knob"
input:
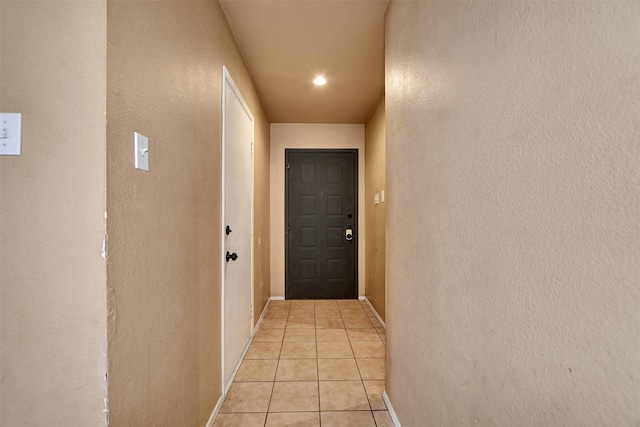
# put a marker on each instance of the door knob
(231, 256)
(348, 234)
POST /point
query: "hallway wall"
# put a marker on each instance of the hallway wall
(52, 203)
(164, 80)
(375, 215)
(301, 135)
(513, 203)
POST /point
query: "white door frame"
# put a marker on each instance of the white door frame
(226, 78)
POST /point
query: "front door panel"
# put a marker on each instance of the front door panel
(322, 223)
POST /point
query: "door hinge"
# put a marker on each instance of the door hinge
(105, 242)
(288, 165)
(105, 411)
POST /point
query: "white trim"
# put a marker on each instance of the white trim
(215, 412)
(253, 197)
(264, 311)
(276, 299)
(226, 77)
(365, 299)
(222, 246)
(392, 412)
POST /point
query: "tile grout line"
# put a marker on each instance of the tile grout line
(266, 417)
(365, 388)
(361, 380)
(317, 366)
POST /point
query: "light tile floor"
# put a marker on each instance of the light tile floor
(311, 364)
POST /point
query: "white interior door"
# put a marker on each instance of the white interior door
(237, 270)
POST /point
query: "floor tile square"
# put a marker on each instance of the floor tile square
(301, 312)
(297, 370)
(300, 335)
(374, 389)
(347, 419)
(308, 304)
(268, 335)
(363, 335)
(277, 313)
(263, 350)
(248, 397)
(327, 311)
(329, 323)
(338, 369)
(257, 370)
(279, 304)
(294, 397)
(273, 323)
(357, 322)
(235, 420)
(353, 312)
(293, 419)
(371, 369)
(343, 396)
(376, 323)
(298, 350)
(331, 335)
(323, 313)
(308, 316)
(349, 304)
(334, 350)
(325, 303)
(363, 349)
(301, 323)
(382, 419)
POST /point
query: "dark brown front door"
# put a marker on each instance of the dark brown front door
(321, 245)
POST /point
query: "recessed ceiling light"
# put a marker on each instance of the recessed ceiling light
(319, 81)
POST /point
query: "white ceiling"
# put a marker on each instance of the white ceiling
(286, 43)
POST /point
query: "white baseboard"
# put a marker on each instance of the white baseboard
(375, 313)
(215, 412)
(392, 412)
(277, 298)
(264, 311)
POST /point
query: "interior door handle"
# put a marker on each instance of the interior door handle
(231, 256)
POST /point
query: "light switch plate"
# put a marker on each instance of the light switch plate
(141, 144)
(10, 134)
(382, 196)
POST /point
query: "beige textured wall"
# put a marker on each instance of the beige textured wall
(164, 80)
(262, 200)
(52, 274)
(513, 246)
(375, 215)
(300, 135)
